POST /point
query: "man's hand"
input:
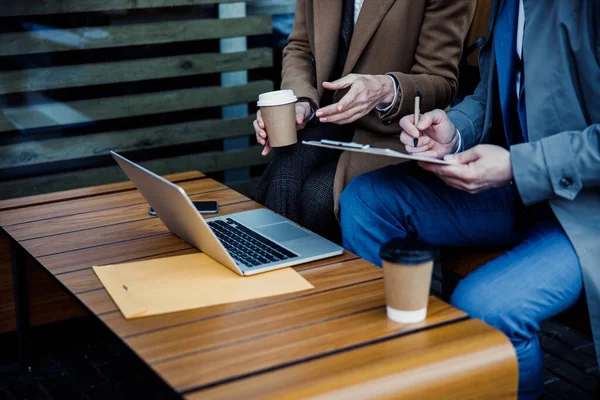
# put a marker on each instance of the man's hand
(481, 168)
(366, 92)
(303, 113)
(436, 133)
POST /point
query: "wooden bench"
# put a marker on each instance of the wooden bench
(146, 78)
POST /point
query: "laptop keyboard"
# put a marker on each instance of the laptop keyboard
(247, 246)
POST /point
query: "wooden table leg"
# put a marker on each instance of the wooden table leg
(19, 273)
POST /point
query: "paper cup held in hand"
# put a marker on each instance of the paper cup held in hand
(407, 270)
(278, 111)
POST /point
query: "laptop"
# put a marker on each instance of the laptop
(248, 242)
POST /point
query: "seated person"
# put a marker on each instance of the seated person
(356, 68)
(537, 192)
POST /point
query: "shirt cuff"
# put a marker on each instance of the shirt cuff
(382, 109)
(458, 149)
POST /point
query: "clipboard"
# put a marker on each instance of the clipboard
(367, 149)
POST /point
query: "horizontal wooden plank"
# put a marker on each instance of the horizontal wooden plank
(86, 192)
(207, 162)
(105, 108)
(34, 7)
(292, 346)
(464, 360)
(118, 215)
(125, 251)
(96, 203)
(61, 40)
(78, 147)
(254, 324)
(84, 75)
(336, 272)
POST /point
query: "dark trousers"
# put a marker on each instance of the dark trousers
(298, 183)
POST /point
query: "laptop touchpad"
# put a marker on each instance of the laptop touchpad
(283, 232)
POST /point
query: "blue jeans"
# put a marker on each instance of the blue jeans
(537, 279)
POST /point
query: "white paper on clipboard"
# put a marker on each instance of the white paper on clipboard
(375, 151)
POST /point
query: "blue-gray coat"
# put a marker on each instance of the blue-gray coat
(561, 162)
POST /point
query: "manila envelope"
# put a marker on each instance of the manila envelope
(171, 284)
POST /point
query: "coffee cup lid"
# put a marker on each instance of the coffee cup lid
(409, 252)
(276, 98)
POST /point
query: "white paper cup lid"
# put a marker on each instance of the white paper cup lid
(276, 98)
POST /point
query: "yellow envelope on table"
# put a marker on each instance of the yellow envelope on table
(165, 285)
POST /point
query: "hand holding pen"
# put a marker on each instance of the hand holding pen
(435, 136)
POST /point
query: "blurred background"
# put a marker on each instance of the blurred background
(167, 84)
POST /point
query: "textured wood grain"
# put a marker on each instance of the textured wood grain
(292, 346)
(102, 73)
(78, 147)
(87, 111)
(87, 192)
(256, 324)
(116, 215)
(465, 360)
(208, 162)
(96, 203)
(341, 271)
(125, 251)
(130, 35)
(34, 7)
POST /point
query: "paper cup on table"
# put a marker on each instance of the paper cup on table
(407, 269)
(278, 111)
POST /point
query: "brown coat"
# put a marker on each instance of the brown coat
(419, 41)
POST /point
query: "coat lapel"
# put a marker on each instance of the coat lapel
(328, 22)
(371, 15)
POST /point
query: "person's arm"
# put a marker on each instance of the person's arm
(469, 117)
(435, 70)
(298, 71)
(559, 165)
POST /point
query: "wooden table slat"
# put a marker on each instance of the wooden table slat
(327, 277)
(111, 216)
(106, 235)
(292, 346)
(86, 192)
(254, 324)
(96, 203)
(127, 250)
(465, 360)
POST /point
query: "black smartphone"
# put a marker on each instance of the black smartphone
(203, 207)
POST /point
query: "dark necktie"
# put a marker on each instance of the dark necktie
(508, 64)
(347, 28)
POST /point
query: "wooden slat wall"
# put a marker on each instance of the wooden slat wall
(36, 7)
(132, 70)
(130, 35)
(87, 111)
(48, 144)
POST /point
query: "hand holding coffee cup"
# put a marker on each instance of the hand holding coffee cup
(407, 270)
(279, 118)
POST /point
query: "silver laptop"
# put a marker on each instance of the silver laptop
(248, 243)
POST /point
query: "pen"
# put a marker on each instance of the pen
(417, 112)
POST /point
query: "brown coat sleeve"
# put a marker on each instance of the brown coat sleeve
(298, 71)
(435, 70)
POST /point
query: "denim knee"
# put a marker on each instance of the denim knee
(481, 303)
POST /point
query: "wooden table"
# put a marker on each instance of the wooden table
(332, 342)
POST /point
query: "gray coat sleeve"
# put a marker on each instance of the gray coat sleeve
(469, 117)
(559, 165)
